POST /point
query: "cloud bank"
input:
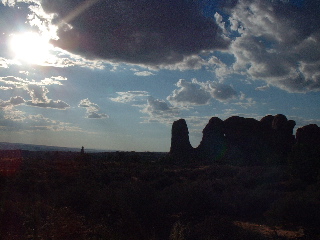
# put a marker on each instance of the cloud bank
(275, 41)
(279, 42)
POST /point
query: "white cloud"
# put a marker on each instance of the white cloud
(3, 63)
(17, 82)
(220, 69)
(18, 121)
(157, 107)
(199, 93)
(92, 109)
(278, 43)
(193, 62)
(130, 96)
(245, 102)
(39, 98)
(144, 73)
(189, 93)
(263, 88)
(59, 78)
(14, 81)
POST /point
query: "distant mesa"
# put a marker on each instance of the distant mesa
(243, 139)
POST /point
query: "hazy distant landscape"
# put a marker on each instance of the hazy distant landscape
(32, 147)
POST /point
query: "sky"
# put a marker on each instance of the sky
(114, 75)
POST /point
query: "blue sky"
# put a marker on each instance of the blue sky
(116, 74)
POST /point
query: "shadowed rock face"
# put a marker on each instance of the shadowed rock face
(305, 155)
(282, 135)
(308, 135)
(180, 144)
(267, 121)
(213, 140)
(239, 138)
(240, 130)
(280, 123)
(245, 138)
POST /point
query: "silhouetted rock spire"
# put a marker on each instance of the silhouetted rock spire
(180, 144)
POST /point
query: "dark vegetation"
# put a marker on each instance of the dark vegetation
(155, 196)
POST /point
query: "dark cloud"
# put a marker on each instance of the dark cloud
(159, 111)
(14, 101)
(135, 31)
(222, 92)
(157, 105)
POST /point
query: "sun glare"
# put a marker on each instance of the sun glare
(30, 47)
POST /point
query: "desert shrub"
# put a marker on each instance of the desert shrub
(179, 231)
(11, 221)
(189, 200)
(215, 228)
(64, 224)
(244, 203)
(304, 161)
(295, 209)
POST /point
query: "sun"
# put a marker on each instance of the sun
(30, 47)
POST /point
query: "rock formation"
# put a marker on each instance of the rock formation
(304, 159)
(282, 135)
(308, 135)
(245, 139)
(180, 144)
(213, 142)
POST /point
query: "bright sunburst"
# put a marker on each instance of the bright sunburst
(30, 47)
